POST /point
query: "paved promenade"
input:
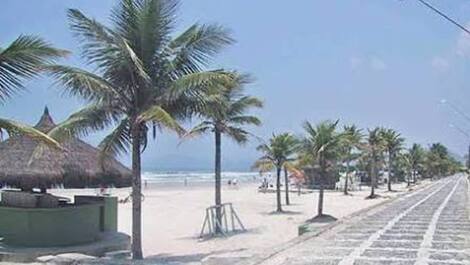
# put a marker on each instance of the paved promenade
(430, 226)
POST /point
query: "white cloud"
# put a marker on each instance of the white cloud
(355, 62)
(440, 63)
(369, 63)
(377, 64)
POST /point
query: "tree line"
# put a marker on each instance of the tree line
(330, 150)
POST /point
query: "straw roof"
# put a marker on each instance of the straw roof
(77, 167)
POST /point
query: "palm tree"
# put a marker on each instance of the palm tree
(226, 115)
(278, 152)
(145, 80)
(438, 160)
(374, 149)
(322, 145)
(393, 143)
(352, 139)
(24, 59)
(406, 161)
(416, 157)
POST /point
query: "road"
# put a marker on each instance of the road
(430, 226)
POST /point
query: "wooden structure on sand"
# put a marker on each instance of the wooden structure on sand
(230, 221)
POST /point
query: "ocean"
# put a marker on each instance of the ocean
(196, 176)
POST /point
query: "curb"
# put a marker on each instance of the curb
(258, 259)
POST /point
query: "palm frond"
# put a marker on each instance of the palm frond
(96, 40)
(78, 82)
(263, 165)
(245, 120)
(162, 118)
(238, 134)
(243, 104)
(94, 117)
(23, 59)
(196, 47)
(117, 142)
(14, 128)
(199, 129)
(214, 80)
(146, 24)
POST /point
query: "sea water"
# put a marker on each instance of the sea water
(197, 176)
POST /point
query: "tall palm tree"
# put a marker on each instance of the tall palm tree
(278, 152)
(404, 161)
(322, 144)
(24, 59)
(145, 79)
(374, 150)
(352, 139)
(416, 157)
(226, 114)
(393, 143)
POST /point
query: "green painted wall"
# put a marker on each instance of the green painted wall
(110, 214)
(50, 227)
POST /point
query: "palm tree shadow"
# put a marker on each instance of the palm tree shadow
(371, 197)
(226, 235)
(282, 213)
(325, 218)
(293, 204)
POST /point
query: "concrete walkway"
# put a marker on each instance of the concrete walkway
(430, 226)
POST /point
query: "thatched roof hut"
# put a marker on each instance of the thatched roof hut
(78, 166)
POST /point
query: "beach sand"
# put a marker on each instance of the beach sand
(173, 217)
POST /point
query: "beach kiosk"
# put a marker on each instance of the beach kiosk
(30, 217)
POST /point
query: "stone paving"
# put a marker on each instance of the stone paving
(431, 226)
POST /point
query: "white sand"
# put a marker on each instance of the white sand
(172, 217)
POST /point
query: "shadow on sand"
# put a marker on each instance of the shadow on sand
(325, 218)
(282, 213)
(371, 197)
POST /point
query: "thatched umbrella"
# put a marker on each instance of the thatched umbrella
(77, 166)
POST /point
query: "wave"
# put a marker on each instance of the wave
(191, 176)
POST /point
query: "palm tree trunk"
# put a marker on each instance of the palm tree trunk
(410, 175)
(278, 189)
(286, 176)
(321, 193)
(347, 178)
(218, 181)
(373, 179)
(320, 198)
(136, 195)
(389, 183)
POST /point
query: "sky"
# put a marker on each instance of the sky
(368, 62)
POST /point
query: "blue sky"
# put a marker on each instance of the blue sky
(368, 62)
